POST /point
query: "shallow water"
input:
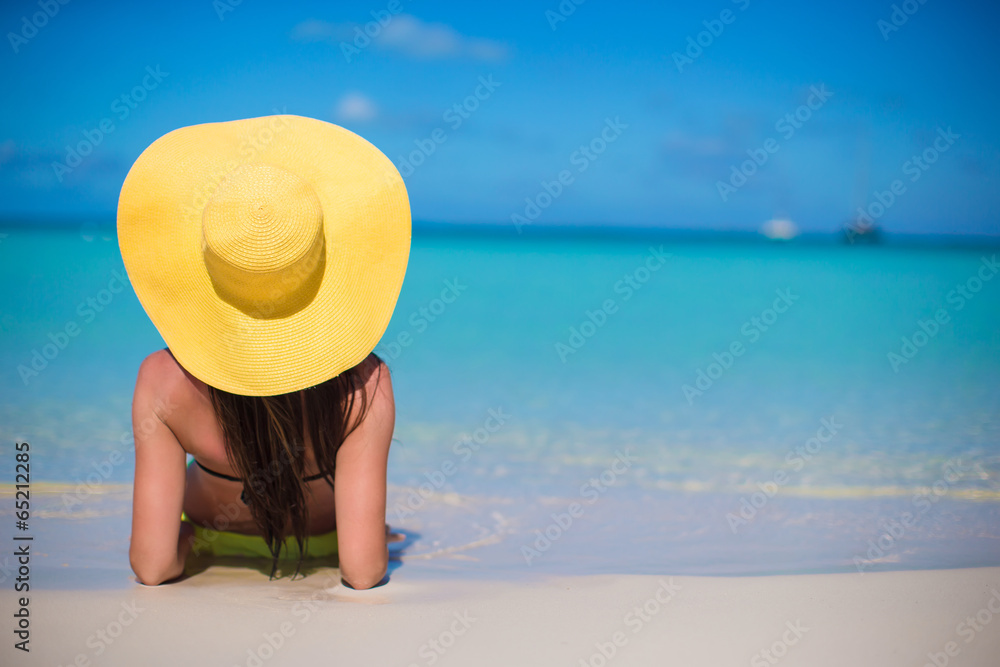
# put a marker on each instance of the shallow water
(801, 453)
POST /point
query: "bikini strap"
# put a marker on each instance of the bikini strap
(310, 478)
(217, 474)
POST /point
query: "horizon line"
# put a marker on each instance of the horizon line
(581, 230)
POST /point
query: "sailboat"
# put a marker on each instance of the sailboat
(859, 230)
(862, 228)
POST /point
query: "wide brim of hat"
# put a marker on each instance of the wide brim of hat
(366, 218)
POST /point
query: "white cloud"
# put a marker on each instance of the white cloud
(405, 34)
(355, 107)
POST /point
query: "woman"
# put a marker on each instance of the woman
(269, 253)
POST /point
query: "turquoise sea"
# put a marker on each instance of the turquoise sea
(592, 404)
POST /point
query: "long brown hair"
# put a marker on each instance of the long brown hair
(265, 444)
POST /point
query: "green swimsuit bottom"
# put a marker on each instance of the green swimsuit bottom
(208, 541)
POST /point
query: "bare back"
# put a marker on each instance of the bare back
(173, 417)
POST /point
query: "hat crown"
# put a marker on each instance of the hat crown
(262, 240)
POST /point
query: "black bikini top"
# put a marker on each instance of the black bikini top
(310, 478)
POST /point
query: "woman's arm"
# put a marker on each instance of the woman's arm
(160, 541)
(359, 488)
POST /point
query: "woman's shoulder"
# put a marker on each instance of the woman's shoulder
(372, 387)
(375, 377)
(162, 379)
(161, 367)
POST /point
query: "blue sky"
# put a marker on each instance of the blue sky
(682, 128)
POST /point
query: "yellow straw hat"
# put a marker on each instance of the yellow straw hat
(268, 252)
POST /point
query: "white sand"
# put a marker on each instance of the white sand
(224, 616)
(434, 612)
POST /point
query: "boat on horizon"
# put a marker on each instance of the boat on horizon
(861, 231)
